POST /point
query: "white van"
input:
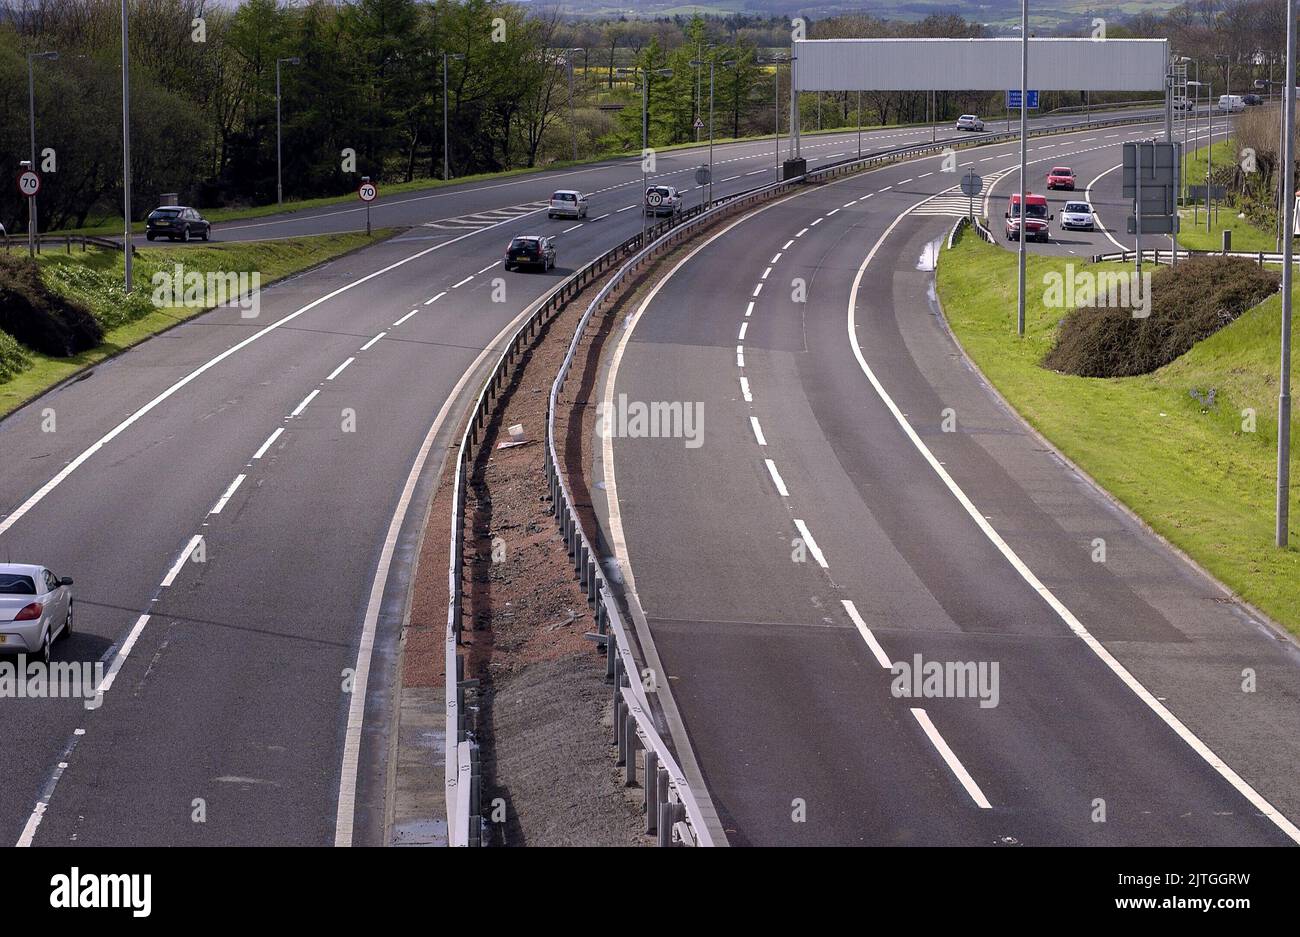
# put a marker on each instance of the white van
(1230, 103)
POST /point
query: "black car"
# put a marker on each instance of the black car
(1251, 100)
(533, 250)
(177, 223)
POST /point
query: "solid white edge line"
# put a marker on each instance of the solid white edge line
(776, 479)
(951, 760)
(758, 431)
(1190, 738)
(879, 652)
(270, 440)
(815, 550)
(180, 560)
(221, 503)
(58, 479)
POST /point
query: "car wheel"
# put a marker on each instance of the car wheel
(67, 624)
(149, 237)
(185, 236)
(45, 650)
(206, 233)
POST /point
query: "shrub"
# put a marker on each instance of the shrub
(12, 357)
(1189, 302)
(40, 318)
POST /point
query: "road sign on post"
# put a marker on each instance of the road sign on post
(367, 192)
(1151, 181)
(1013, 100)
(971, 186)
(29, 183)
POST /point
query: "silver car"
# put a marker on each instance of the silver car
(1077, 216)
(35, 608)
(970, 122)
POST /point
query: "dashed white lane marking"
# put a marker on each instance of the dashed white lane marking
(831, 212)
(885, 188)
(180, 560)
(629, 208)
(775, 257)
(766, 273)
(434, 299)
(1062, 611)
(786, 245)
(801, 233)
(464, 281)
(404, 318)
(847, 204)
(756, 172)
(904, 182)
(749, 310)
(598, 217)
(730, 178)
(740, 356)
(122, 654)
(776, 479)
(744, 390)
(234, 486)
(567, 230)
(879, 652)
(987, 158)
(808, 540)
(924, 174)
(297, 411)
(366, 346)
(270, 440)
(951, 760)
(487, 268)
(758, 431)
(815, 223)
(757, 289)
(334, 373)
(743, 327)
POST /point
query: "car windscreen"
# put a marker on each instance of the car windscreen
(1062, 171)
(1080, 207)
(1034, 211)
(660, 190)
(564, 197)
(165, 213)
(13, 584)
(525, 243)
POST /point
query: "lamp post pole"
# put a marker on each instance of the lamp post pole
(1024, 213)
(31, 112)
(1288, 209)
(128, 248)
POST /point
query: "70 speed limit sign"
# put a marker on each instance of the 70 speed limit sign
(367, 192)
(29, 183)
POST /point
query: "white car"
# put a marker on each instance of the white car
(567, 203)
(35, 608)
(1078, 216)
(663, 200)
(969, 122)
(1184, 104)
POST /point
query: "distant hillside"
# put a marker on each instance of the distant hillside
(1000, 15)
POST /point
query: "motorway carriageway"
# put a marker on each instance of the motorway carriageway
(828, 527)
(293, 454)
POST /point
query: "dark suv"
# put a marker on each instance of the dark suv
(177, 223)
(531, 249)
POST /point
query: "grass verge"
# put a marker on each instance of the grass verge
(1195, 474)
(95, 278)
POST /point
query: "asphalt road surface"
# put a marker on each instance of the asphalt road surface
(858, 498)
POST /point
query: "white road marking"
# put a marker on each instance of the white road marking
(757, 289)
(886, 188)
(831, 212)
(800, 234)
(743, 327)
(766, 273)
(333, 374)
(776, 479)
(775, 257)
(879, 652)
(366, 346)
(786, 245)
(303, 406)
(744, 390)
(123, 652)
(749, 310)
(815, 223)
(807, 536)
(404, 318)
(270, 440)
(464, 281)
(567, 230)
(847, 204)
(1073, 623)
(598, 217)
(433, 299)
(756, 172)
(221, 503)
(629, 208)
(180, 560)
(740, 356)
(491, 265)
(951, 760)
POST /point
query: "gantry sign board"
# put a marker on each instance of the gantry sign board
(1151, 172)
(980, 64)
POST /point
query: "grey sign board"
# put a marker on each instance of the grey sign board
(1154, 224)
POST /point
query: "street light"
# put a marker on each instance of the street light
(1209, 145)
(573, 126)
(279, 187)
(776, 64)
(31, 110)
(455, 57)
(127, 247)
(1024, 213)
(645, 125)
(1288, 219)
(727, 64)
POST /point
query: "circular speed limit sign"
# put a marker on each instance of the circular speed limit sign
(29, 183)
(654, 198)
(367, 192)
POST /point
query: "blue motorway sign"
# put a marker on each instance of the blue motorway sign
(1013, 100)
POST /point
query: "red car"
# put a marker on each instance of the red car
(1061, 177)
(1036, 218)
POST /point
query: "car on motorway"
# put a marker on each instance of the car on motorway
(969, 122)
(35, 609)
(1231, 103)
(663, 200)
(177, 223)
(1184, 104)
(533, 250)
(1078, 216)
(1036, 218)
(1061, 177)
(1252, 100)
(567, 203)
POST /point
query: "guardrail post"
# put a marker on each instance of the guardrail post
(633, 740)
(475, 798)
(651, 801)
